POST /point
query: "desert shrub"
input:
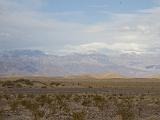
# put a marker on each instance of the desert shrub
(14, 105)
(86, 102)
(78, 115)
(8, 84)
(55, 83)
(90, 86)
(125, 110)
(33, 106)
(40, 114)
(30, 96)
(77, 98)
(44, 99)
(99, 101)
(2, 111)
(18, 85)
(52, 108)
(44, 87)
(1, 96)
(7, 97)
(61, 102)
(20, 96)
(24, 81)
(68, 96)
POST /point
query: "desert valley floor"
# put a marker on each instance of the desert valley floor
(79, 98)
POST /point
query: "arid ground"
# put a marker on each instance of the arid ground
(71, 98)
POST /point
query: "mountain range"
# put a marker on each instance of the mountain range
(36, 62)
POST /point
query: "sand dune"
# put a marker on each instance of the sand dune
(105, 75)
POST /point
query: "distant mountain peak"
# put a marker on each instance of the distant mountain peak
(23, 52)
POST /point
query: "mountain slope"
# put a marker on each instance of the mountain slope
(33, 62)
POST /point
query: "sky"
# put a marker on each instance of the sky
(81, 26)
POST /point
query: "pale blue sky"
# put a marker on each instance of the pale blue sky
(66, 26)
(87, 11)
(94, 5)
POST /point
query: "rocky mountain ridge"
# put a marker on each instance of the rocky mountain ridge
(35, 62)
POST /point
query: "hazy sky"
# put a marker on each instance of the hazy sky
(66, 26)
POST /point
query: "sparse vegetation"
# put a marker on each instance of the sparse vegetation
(114, 105)
(22, 83)
(80, 106)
